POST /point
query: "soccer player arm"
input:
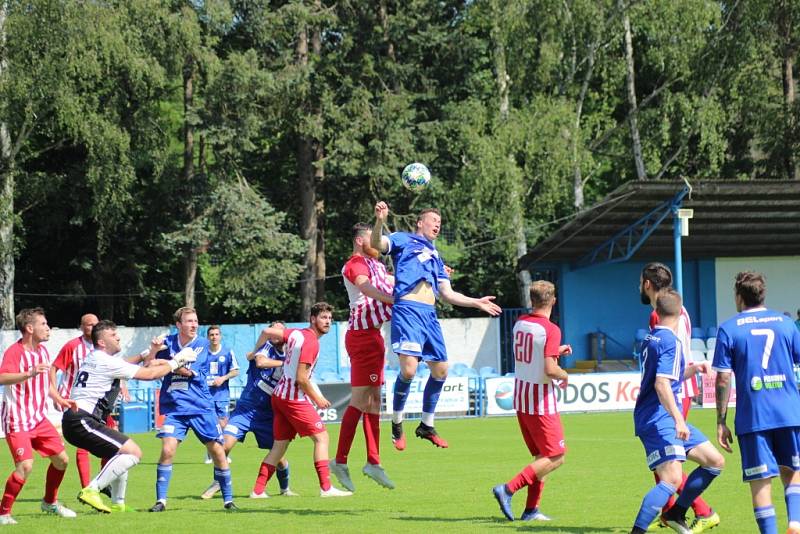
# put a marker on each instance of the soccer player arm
(263, 362)
(663, 388)
(379, 241)
(366, 287)
(455, 298)
(305, 384)
(10, 376)
(554, 371)
(269, 333)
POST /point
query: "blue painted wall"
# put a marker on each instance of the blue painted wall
(606, 298)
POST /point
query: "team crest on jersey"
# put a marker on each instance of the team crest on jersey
(373, 377)
(318, 424)
(221, 359)
(20, 452)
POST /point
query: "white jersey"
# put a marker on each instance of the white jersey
(96, 384)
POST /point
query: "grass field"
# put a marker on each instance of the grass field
(598, 489)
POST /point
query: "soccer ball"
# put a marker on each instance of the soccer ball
(416, 176)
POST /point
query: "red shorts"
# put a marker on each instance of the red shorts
(543, 434)
(43, 438)
(367, 356)
(294, 417)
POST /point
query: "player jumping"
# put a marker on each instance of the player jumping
(369, 288)
(420, 277)
(761, 347)
(537, 347)
(667, 439)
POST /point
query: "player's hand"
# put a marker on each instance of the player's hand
(38, 369)
(724, 437)
(449, 270)
(217, 382)
(563, 350)
(381, 211)
(183, 371)
(564, 382)
(681, 430)
(323, 403)
(157, 344)
(702, 368)
(485, 304)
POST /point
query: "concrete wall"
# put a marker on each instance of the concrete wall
(783, 282)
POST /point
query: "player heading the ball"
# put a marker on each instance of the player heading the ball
(420, 277)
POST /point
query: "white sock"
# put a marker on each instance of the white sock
(118, 487)
(427, 418)
(397, 417)
(115, 467)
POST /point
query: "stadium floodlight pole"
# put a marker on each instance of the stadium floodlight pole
(676, 234)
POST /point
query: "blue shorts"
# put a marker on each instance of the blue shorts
(762, 452)
(221, 408)
(416, 331)
(661, 445)
(205, 427)
(247, 418)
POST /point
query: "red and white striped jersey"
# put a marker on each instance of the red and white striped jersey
(535, 338)
(366, 312)
(69, 360)
(302, 346)
(690, 388)
(24, 404)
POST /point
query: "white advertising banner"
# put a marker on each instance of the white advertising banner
(584, 393)
(454, 396)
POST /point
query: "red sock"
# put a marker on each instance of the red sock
(84, 466)
(526, 477)
(265, 472)
(372, 434)
(534, 494)
(347, 432)
(324, 474)
(54, 478)
(13, 487)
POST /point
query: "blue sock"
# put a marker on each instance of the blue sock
(793, 502)
(163, 476)
(653, 502)
(401, 387)
(696, 483)
(430, 395)
(223, 476)
(283, 477)
(765, 517)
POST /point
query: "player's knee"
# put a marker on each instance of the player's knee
(716, 461)
(24, 468)
(132, 448)
(60, 460)
(557, 461)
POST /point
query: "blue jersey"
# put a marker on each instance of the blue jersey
(761, 347)
(661, 356)
(415, 259)
(220, 364)
(182, 395)
(261, 382)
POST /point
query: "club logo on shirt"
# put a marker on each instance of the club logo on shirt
(756, 384)
(221, 359)
(373, 377)
(20, 452)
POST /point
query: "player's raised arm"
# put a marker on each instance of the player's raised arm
(455, 298)
(270, 333)
(379, 241)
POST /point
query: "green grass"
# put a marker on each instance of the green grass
(598, 489)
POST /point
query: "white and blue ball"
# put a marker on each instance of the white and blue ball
(504, 395)
(416, 176)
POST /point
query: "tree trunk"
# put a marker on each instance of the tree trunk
(577, 175)
(6, 205)
(792, 162)
(190, 258)
(630, 85)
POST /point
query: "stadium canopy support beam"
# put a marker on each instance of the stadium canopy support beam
(624, 244)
